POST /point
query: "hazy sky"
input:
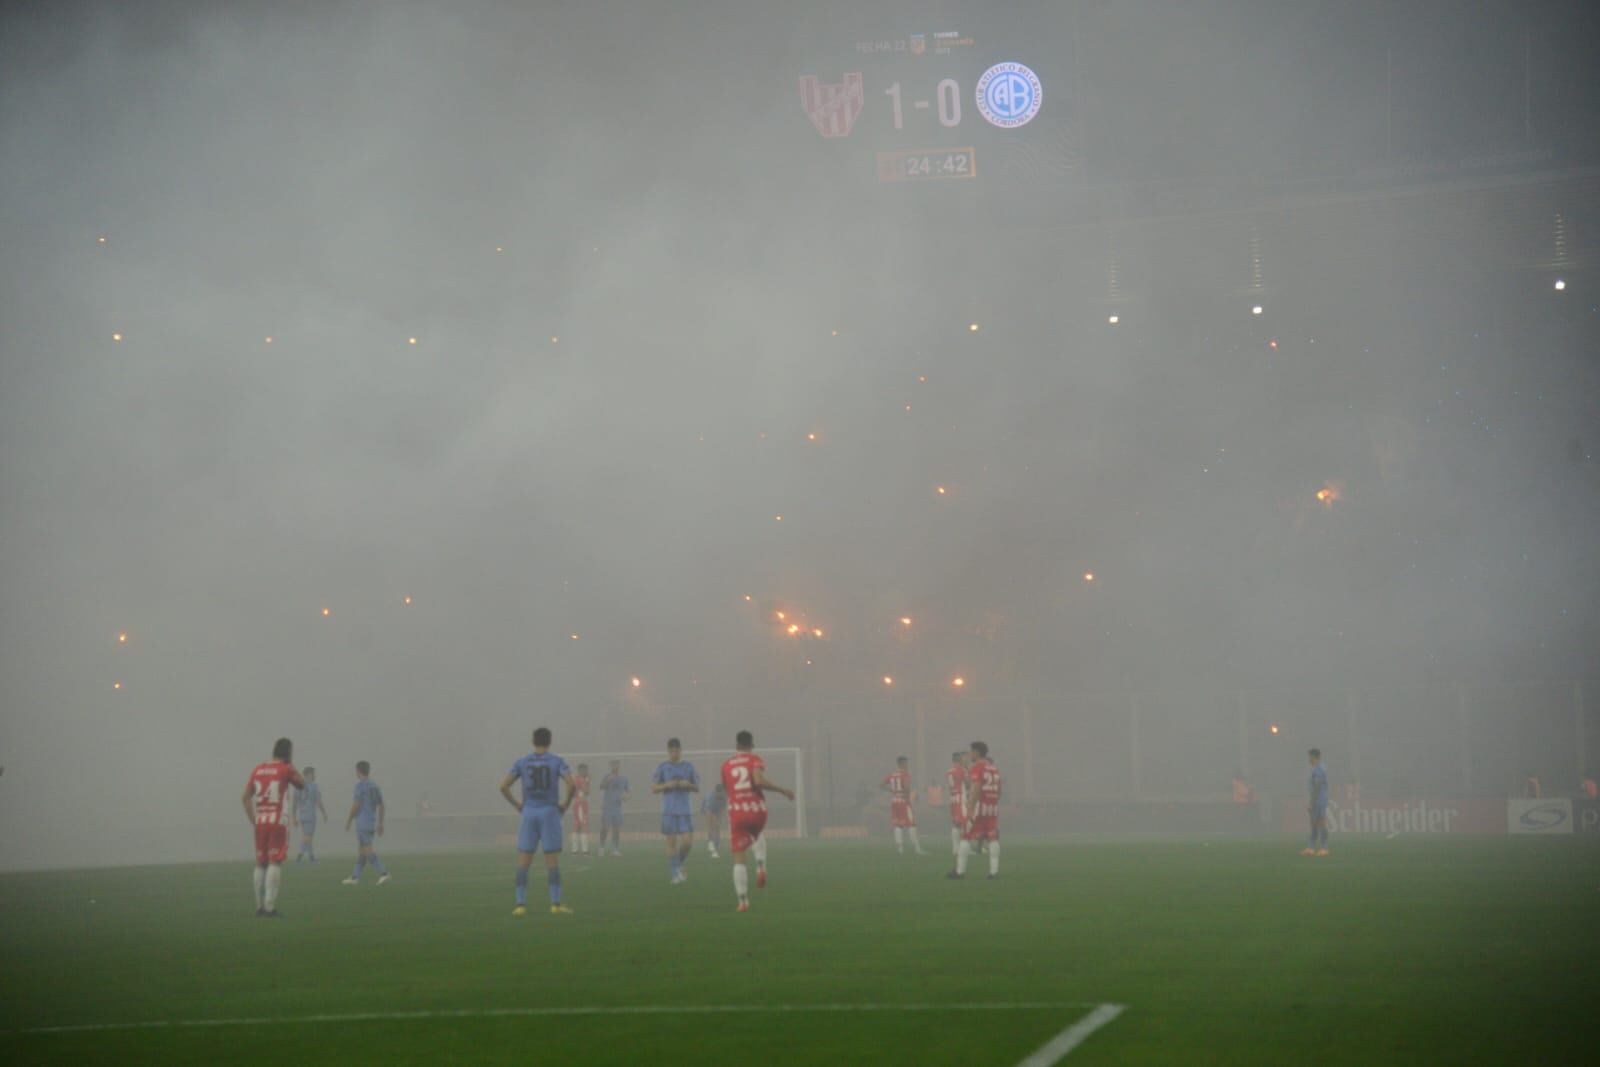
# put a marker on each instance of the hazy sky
(653, 311)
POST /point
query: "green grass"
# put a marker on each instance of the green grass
(1227, 952)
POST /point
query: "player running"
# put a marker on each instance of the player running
(901, 815)
(366, 811)
(714, 807)
(613, 791)
(983, 801)
(955, 785)
(580, 810)
(541, 772)
(1318, 807)
(308, 802)
(744, 777)
(675, 779)
(266, 805)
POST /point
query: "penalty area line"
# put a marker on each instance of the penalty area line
(1057, 1047)
(614, 1009)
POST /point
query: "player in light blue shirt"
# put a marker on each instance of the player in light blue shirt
(308, 802)
(675, 779)
(542, 773)
(1317, 806)
(366, 811)
(714, 807)
(613, 791)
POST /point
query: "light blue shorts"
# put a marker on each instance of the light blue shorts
(364, 837)
(677, 824)
(541, 827)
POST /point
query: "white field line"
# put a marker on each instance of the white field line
(619, 1009)
(1057, 1047)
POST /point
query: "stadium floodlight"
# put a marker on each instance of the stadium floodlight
(1113, 319)
(1561, 284)
(1256, 310)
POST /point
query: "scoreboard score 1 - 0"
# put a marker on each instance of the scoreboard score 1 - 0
(928, 106)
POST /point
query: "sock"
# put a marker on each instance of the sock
(673, 861)
(1313, 842)
(683, 854)
(361, 861)
(961, 856)
(955, 841)
(310, 851)
(914, 842)
(522, 886)
(373, 859)
(760, 849)
(1322, 835)
(274, 876)
(899, 840)
(260, 880)
(555, 885)
(994, 857)
(741, 881)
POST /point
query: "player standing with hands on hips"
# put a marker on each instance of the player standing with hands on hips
(266, 805)
(542, 772)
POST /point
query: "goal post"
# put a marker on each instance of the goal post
(786, 766)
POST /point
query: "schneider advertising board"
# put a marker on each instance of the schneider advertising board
(1460, 815)
(1429, 815)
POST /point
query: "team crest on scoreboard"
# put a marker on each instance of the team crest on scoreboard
(919, 43)
(832, 109)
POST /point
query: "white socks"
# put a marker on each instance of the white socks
(961, 857)
(741, 881)
(914, 842)
(899, 839)
(274, 876)
(260, 879)
(994, 857)
(760, 850)
(955, 841)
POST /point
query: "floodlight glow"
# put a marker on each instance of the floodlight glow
(1561, 284)
(1113, 319)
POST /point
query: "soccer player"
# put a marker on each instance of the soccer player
(983, 800)
(308, 802)
(613, 791)
(1318, 808)
(714, 806)
(955, 785)
(901, 816)
(675, 779)
(580, 810)
(366, 811)
(542, 773)
(266, 805)
(745, 779)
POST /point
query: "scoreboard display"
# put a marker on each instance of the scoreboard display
(943, 104)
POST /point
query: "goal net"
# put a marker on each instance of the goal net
(641, 809)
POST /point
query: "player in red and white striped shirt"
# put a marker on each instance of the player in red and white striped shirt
(901, 814)
(983, 801)
(745, 780)
(266, 805)
(955, 787)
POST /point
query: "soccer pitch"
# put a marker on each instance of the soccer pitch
(1221, 951)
